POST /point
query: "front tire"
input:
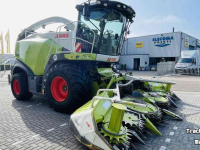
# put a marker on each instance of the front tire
(19, 87)
(67, 87)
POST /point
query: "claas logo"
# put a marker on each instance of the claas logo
(62, 36)
(112, 59)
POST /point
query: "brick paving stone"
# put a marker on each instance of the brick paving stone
(162, 148)
(22, 123)
(167, 140)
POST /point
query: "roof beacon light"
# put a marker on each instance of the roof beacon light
(118, 5)
(105, 4)
(98, 2)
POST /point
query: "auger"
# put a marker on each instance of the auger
(160, 89)
(161, 101)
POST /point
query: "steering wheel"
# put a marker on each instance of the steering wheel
(108, 32)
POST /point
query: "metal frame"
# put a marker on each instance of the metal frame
(128, 77)
(116, 99)
(28, 32)
(59, 28)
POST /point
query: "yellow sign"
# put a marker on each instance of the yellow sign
(186, 42)
(139, 44)
(7, 39)
(1, 43)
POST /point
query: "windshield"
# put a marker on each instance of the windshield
(108, 27)
(185, 60)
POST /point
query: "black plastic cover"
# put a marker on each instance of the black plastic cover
(126, 10)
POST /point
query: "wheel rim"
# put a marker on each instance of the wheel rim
(16, 87)
(59, 89)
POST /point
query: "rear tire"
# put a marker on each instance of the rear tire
(19, 87)
(67, 87)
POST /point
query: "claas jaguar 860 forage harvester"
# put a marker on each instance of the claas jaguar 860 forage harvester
(63, 64)
(72, 65)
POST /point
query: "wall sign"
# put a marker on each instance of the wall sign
(163, 41)
(139, 44)
(186, 42)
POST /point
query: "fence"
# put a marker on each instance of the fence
(7, 64)
(164, 68)
(7, 67)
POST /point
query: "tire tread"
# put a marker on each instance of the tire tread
(78, 82)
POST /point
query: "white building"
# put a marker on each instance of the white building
(149, 50)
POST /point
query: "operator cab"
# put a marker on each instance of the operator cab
(101, 29)
(105, 25)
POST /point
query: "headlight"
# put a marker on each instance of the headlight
(118, 5)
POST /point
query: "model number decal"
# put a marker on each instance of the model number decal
(112, 59)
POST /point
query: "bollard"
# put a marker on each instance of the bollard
(9, 79)
(195, 72)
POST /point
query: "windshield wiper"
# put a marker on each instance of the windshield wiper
(93, 24)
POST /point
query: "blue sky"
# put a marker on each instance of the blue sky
(153, 16)
(160, 16)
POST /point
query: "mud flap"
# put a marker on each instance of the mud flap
(172, 102)
(173, 115)
(136, 135)
(150, 126)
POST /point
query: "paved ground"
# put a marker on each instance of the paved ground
(34, 125)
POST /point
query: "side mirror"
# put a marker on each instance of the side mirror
(86, 10)
(114, 68)
(70, 27)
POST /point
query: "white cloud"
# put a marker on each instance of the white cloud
(23, 13)
(166, 19)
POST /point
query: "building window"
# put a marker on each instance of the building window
(156, 60)
(191, 47)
